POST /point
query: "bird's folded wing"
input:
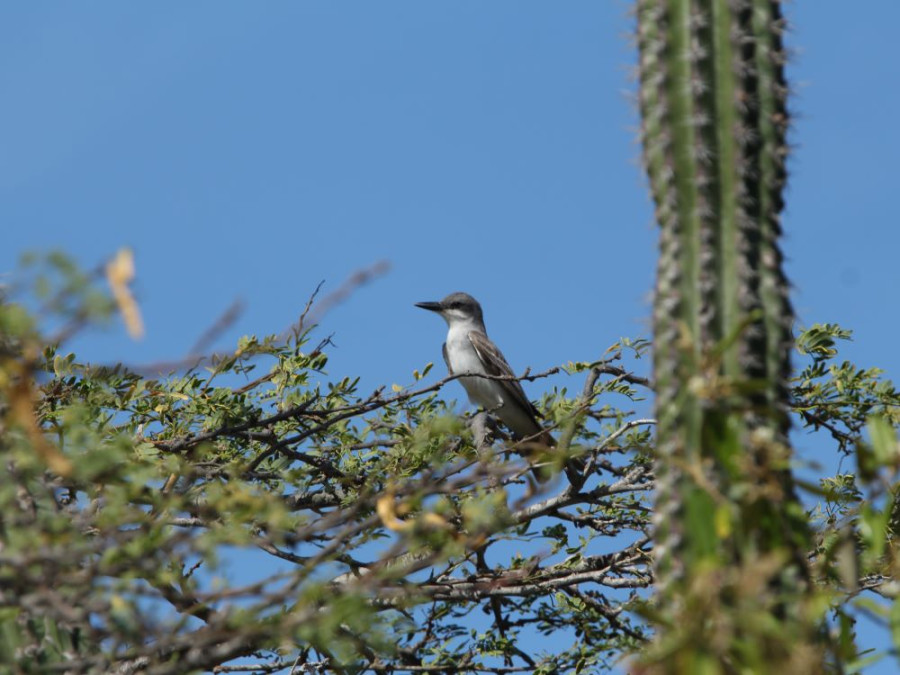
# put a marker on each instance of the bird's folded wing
(495, 364)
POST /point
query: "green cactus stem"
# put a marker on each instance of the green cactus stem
(713, 102)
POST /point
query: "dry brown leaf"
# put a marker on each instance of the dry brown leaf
(385, 509)
(119, 274)
(21, 411)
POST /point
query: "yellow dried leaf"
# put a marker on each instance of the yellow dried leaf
(21, 410)
(119, 274)
(385, 509)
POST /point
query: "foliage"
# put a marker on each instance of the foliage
(253, 508)
(253, 515)
(856, 519)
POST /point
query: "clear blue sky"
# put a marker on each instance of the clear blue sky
(253, 149)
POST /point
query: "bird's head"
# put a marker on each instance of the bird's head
(456, 308)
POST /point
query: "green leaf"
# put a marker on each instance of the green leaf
(884, 440)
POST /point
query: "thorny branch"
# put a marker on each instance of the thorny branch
(311, 315)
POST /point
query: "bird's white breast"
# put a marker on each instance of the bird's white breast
(464, 359)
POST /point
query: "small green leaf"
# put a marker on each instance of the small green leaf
(884, 440)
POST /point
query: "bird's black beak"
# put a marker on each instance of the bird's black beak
(430, 306)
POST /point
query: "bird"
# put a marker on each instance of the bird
(468, 349)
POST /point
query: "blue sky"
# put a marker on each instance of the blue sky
(250, 150)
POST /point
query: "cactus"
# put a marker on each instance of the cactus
(714, 118)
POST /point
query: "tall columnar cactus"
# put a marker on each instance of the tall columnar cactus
(714, 117)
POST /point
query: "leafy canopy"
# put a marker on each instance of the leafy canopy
(249, 512)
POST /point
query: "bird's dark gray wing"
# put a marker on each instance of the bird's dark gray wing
(446, 358)
(495, 364)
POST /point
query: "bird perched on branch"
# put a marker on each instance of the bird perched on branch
(469, 350)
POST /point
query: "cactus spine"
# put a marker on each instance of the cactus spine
(714, 117)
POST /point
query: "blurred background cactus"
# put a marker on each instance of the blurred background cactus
(730, 531)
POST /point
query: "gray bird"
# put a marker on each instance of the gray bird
(469, 350)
